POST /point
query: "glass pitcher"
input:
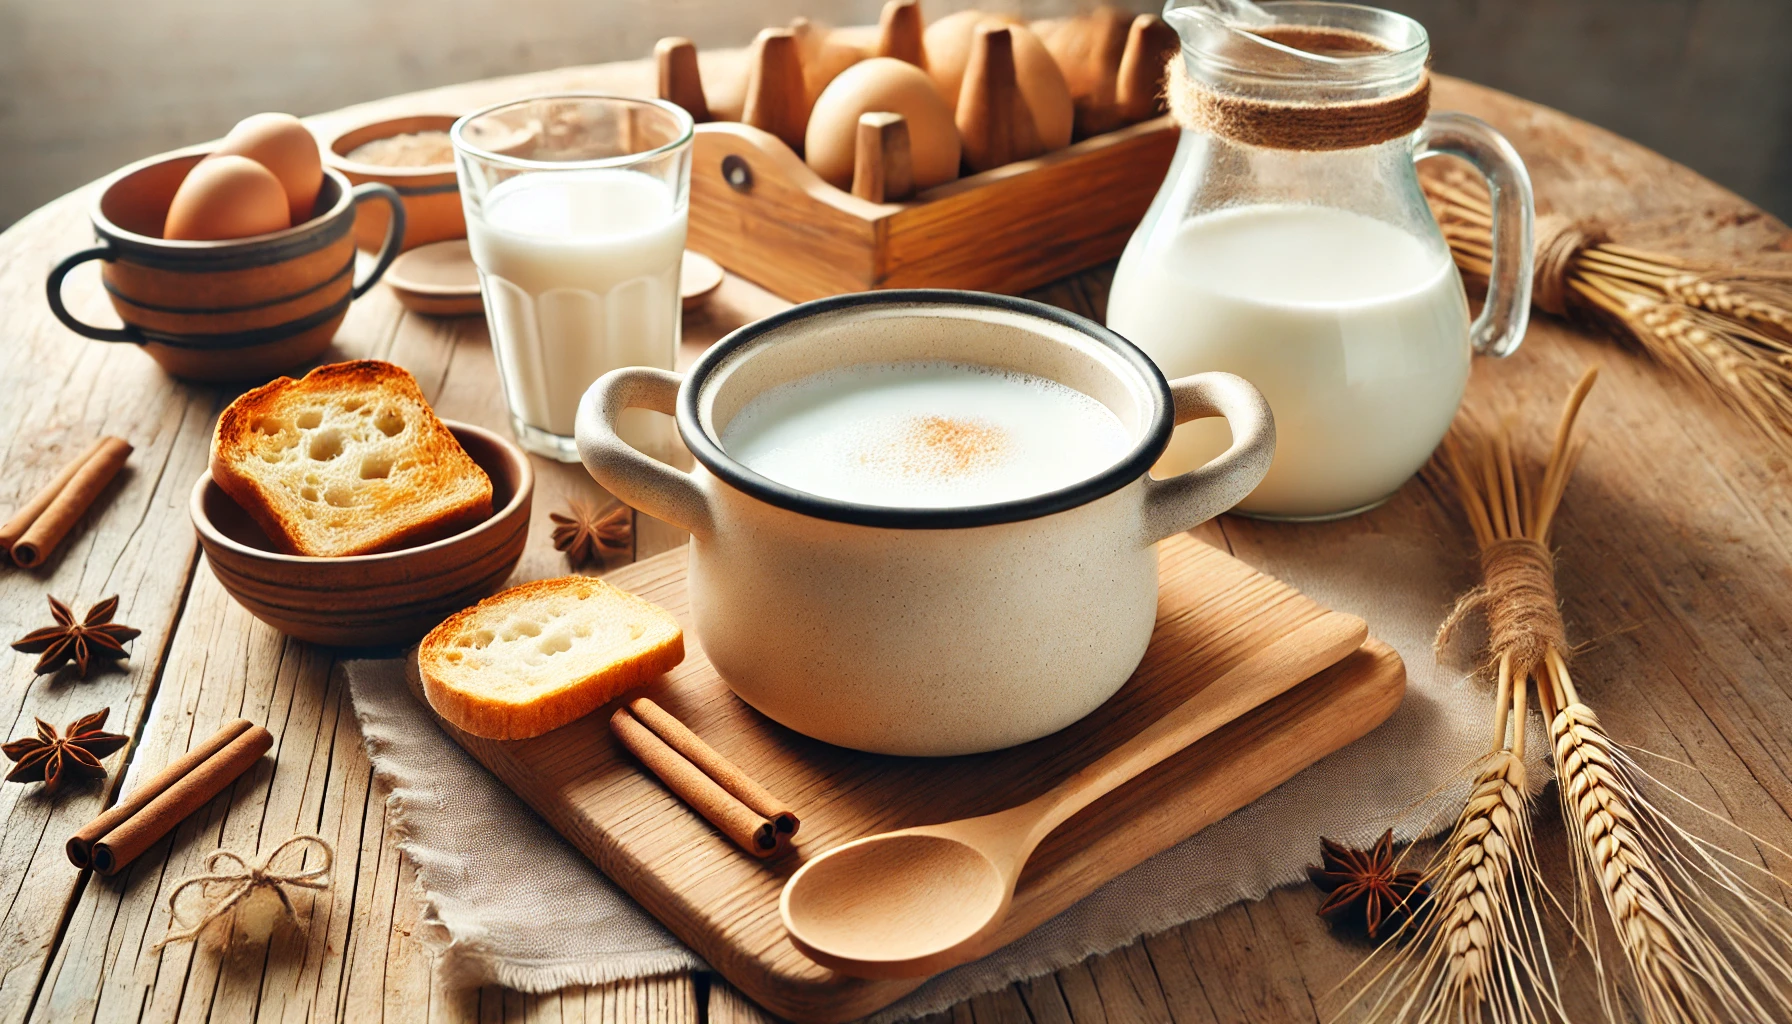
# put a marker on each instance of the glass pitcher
(1291, 244)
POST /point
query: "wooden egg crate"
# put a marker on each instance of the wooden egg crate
(1017, 218)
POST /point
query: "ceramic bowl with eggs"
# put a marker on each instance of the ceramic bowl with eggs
(412, 155)
(233, 262)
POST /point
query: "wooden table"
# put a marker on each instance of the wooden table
(1677, 563)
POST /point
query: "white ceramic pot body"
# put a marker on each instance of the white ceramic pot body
(924, 631)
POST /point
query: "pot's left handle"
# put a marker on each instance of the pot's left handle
(54, 287)
(1186, 501)
(639, 480)
(394, 231)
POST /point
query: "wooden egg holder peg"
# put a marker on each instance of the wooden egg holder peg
(1018, 219)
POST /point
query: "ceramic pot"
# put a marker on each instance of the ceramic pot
(242, 309)
(431, 195)
(924, 631)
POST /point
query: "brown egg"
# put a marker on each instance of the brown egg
(882, 84)
(948, 43)
(1088, 49)
(227, 197)
(283, 145)
(826, 52)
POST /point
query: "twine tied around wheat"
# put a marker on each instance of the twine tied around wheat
(229, 880)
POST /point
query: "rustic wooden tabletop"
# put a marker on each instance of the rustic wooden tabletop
(1677, 537)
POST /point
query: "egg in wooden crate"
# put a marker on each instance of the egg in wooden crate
(949, 42)
(882, 84)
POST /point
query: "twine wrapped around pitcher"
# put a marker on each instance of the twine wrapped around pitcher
(1312, 126)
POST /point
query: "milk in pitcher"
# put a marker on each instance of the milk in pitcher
(1355, 331)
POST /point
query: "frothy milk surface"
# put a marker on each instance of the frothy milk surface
(580, 273)
(1355, 331)
(925, 434)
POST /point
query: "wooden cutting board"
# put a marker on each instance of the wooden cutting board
(1213, 611)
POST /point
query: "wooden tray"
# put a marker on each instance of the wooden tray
(1213, 612)
(758, 210)
(1018, 221)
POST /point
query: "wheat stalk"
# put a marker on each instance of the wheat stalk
(1728, 331)
(1480, 941)
(1700, 943)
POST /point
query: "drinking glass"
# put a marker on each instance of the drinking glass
(576, 212)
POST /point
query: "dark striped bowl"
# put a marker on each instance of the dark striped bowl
(236, 310)
(431, 195)
(372, 600)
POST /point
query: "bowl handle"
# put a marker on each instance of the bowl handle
(394, 231)
(54, 288)
(1186, 501)
(640, 481)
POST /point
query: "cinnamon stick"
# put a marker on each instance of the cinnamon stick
(725, 773)
(35, 529)
(111, 841)
(714, 787)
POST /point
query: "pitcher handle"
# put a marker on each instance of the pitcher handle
(638, 480)
(1500, 327)
(1185, 501)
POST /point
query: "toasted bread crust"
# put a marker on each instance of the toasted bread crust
(454, 493)
(463, 704)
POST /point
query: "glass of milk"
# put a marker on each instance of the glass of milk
(1315, 270)
(576, 210)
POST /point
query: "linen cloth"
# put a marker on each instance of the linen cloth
(506, 901)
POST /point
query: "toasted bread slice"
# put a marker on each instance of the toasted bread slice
(540, 655)
(348, 461)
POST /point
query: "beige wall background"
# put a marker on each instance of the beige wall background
(89, 85)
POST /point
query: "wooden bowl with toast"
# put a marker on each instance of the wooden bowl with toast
(372, 600)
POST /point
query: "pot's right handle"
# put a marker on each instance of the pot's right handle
(1186, 501)
(638, 480)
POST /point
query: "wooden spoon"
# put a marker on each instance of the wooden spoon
(916, 901)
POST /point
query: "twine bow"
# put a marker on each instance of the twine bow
(241, 878)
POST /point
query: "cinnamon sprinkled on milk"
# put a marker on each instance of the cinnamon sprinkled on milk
(944, 446)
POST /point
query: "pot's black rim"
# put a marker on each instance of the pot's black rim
(1121, 473)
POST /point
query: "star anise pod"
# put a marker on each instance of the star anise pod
(1366, 887)
(95, 636)
(49, 758)
(585, 531)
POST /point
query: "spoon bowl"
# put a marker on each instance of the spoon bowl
(931, 895)
(914, 902)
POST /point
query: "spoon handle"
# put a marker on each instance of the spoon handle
(1315, 646)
